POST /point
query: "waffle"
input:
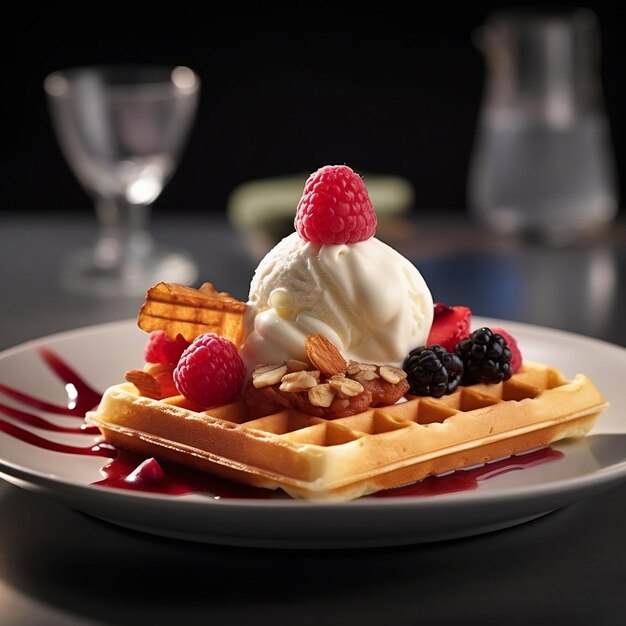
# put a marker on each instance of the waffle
(342, 459)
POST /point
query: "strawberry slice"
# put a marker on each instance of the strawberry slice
(511, 342)
(450, 325)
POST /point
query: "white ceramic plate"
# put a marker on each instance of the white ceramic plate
(102, 353)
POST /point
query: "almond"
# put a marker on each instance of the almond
(146, 384)
(354, 367)
(155, 381)
(392, 374)
(324, 356)
(266, 375)
(164, 375)
(293, 365)
(297, 381)
(321, 395)
(345, 387)
(365, 375)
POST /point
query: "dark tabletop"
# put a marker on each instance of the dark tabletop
(61, 567)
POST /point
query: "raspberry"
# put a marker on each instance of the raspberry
(161, 349)
(210, 371)
(147, 473)
(450, 325)
(335, 207)
(516, 354)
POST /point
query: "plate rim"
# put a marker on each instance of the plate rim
(611, 474)
(319, 525)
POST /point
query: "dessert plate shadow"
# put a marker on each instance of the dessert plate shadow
(102, 353)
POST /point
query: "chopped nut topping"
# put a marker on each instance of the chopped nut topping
(293, 365)
(265, 367)
(365, 375)
(355, 367)
(265, 375)
(392, 374)
(321, 395)
(345, 387)
(297, 381)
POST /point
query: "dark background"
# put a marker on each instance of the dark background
(382, 88)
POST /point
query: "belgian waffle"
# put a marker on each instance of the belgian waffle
(318, 459)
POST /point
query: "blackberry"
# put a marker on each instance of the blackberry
(486, 357)
(432, 371)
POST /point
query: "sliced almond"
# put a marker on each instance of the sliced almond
(354, 367)
(392, 374)
(324, 356)
(316, 374)
(365, 375)
(321, 395)
(266, 375)
(345, 387)
(265, 367)
(293, 365)
(297, 381)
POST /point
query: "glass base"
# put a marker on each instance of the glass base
(82, 274)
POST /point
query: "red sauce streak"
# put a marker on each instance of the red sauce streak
(124, 470)
(466, 480)
(46, 444)
(34, 420)
(81, 397)
(131, 471)
(127, 470)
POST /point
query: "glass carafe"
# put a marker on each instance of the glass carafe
(542, 160)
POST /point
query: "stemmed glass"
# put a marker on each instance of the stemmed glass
(122, 129)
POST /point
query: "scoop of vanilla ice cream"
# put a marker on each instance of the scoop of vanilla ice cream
(365, 297)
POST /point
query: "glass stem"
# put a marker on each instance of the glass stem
(123, 237)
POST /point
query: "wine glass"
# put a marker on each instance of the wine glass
(121, 130)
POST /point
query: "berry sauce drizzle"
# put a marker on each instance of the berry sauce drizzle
(468, 479)
(127, 470)
(80, 396)
(131, 471)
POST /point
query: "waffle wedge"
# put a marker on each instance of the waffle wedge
(342, 459)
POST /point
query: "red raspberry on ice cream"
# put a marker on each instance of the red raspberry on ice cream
(210, 371)
(335, 207)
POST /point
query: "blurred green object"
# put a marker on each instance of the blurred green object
(263, 210)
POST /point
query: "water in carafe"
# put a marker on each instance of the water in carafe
(542, 159)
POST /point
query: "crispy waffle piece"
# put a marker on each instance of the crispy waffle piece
(318, 459)
(190, 312)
